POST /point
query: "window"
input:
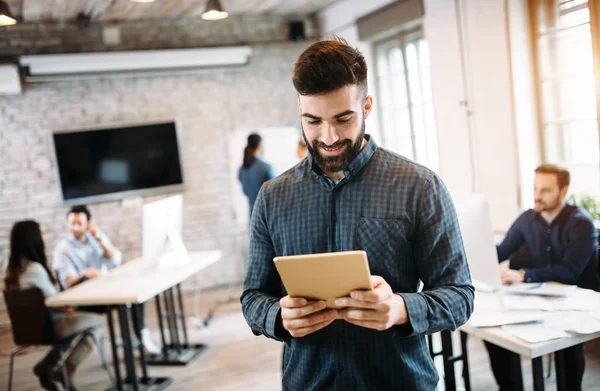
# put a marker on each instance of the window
(567, 90)
(405, 101)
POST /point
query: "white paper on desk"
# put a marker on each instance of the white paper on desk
(573, 304)
(540, 303)
(553, 289)
(499, 318)
(522, 303)
(575, 322)
(533, 333)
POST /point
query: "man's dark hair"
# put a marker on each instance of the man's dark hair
(328, 65)
(81, 209)
(563, 176)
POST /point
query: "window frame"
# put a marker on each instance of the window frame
(401, 41)
(535, 9)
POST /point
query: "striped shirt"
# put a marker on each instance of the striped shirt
(401, 214)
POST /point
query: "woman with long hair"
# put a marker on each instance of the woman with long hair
(254, 171)
(28, 268)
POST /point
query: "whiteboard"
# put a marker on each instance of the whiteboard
(279, 150)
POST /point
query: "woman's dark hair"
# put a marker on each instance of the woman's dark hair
(26, 243)
(329, 65)
(254, 141)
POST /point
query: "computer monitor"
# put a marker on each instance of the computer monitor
(478, 237)
(162, 223)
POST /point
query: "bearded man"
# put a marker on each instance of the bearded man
(552, 242)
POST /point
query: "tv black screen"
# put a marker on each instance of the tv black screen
(101, 164)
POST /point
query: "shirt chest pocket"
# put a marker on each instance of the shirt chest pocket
(388, 249)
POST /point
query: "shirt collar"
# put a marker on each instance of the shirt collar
(359, 162)
(73, 239)
(563, 215)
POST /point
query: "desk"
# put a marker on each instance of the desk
(135, 283)
(499, 337)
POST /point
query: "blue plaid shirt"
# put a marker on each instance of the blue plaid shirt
(401, 214)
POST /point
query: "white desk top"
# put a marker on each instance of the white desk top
(135, 282)
(499, 337)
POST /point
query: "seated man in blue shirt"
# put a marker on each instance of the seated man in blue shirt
(350, 194)
(560, 242)
(86, 254)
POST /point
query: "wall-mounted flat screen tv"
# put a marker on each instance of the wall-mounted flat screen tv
(96, 165)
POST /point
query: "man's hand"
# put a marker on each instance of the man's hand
(377, 309)
(301, 317)
(510, 276)
(91, 273)
(94, 231)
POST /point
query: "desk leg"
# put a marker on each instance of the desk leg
(186, 342)
(561, 375)
(447, 353)
(161, 326)
(132, 382)
(169, 320)
(113, 345)
(173, 316)
(136, 315)
(177, 352)
(465, 360)
(127, 347)
(538, 374)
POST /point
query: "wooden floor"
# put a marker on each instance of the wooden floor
(238, 360)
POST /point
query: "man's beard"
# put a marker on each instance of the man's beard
(545, 207)
(341, 161)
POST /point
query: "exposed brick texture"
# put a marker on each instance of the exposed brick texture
(208, 106)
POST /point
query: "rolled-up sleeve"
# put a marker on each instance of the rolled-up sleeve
(62, 264)
(117, 256)
(446, 301)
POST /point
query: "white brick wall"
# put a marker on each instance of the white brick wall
(208, 107)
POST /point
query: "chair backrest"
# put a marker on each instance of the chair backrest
(29, 316)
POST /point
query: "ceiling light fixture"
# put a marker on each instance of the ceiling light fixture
(142, 1)
(6, 17)
(214, 11)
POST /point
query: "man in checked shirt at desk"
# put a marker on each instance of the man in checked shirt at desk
(350, 194)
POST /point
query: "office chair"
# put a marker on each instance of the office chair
(33, 326)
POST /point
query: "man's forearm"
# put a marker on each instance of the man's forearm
(442, 308)
(108, 253)
(72, 281)
(262, 312)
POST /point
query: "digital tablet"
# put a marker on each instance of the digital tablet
(325, 276)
